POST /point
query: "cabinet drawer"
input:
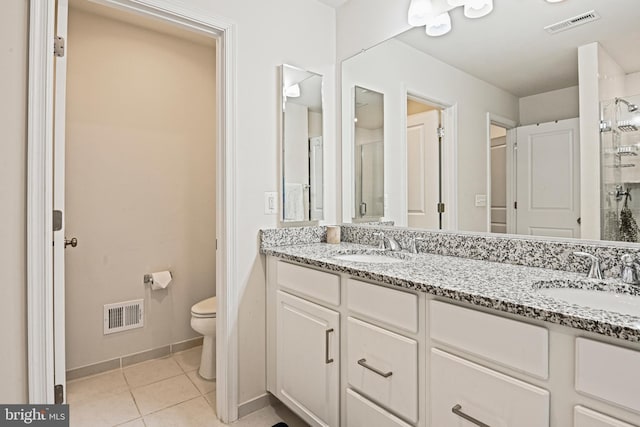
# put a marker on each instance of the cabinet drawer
(307, 281)
(488, 396)
(397, 308)
(608, 372)
(363, 413)
(584, 417)
(383, 366)
(507, 342)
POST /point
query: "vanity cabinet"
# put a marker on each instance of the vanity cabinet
(307, 378)
(345, 352)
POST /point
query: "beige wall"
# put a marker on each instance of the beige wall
(140, 182)
(13, 87)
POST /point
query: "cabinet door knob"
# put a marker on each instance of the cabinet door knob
(363, 363)
(457, 409)
(327, 360)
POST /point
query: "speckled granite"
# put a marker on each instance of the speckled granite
(500, 286)
(519, 250)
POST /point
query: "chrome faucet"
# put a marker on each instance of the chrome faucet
(630, 273)
(595, 272)
(391, 243)
(412, 244)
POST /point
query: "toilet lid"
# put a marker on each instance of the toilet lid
(206, 307)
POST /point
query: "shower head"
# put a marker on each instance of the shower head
(632, 108)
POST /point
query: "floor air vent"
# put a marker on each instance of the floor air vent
(567, 24)
(122, 316)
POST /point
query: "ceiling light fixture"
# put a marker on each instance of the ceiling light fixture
(439, 25)
(434, 14)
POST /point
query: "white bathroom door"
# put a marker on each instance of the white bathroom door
(59, 114)
(423, 170)
(316, 191)
(548, 179)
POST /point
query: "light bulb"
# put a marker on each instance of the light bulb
(439, 25)
(477, 8)
(419, 11)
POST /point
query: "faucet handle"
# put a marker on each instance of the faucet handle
(381, 236)
(630, 272)
(595, 272)
(412, 244)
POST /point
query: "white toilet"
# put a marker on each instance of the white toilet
(203, 321)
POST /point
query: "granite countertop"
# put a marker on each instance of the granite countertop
(504, 287)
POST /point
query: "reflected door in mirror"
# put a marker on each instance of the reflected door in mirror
(368, 154)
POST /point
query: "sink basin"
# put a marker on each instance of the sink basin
(369, 258)
(602, 296)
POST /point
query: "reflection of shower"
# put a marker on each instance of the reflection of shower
(628, 125)
(631, 107)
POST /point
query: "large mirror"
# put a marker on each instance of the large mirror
(496, 126)
(302, 145)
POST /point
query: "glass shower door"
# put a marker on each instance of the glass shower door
(620, 168)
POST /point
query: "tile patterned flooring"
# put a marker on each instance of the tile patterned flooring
(158, 393)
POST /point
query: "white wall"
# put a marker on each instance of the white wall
(392, 68)
(362, 24)
(140, 182)
(632, 84)
(13, 104)
(296, 150)
(297, 32)
(600, 78)
(549, 106)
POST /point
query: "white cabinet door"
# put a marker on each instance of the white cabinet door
(584, 417)
(308, 337)
(461, 389)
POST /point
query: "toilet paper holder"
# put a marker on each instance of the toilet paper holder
(148, 278)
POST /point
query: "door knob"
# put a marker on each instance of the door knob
(73, 242)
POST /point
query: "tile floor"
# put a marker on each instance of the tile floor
(157, 393)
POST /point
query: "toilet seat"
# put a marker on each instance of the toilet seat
(206, 308)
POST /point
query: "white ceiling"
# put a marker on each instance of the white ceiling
(333, 3)
(510, 49)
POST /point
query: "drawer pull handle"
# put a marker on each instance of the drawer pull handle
(363, 362)
(327, 360)
(457, 409)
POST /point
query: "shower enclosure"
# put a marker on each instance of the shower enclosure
(620, 168)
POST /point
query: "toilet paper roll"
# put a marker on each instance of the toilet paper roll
(161, 280)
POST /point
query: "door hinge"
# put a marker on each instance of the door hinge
(57, 220)
(58, 46)
(515, 205)
(58, 394)
(440, 132)
(440, 207)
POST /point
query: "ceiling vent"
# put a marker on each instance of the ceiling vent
(570, 23)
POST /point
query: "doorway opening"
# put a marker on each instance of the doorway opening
(425, 135)
(499, 177)
(140, 197)
(45, 177)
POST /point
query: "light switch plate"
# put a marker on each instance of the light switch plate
(481, 200)
(270, 202)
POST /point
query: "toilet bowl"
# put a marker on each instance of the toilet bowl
(203, 321)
